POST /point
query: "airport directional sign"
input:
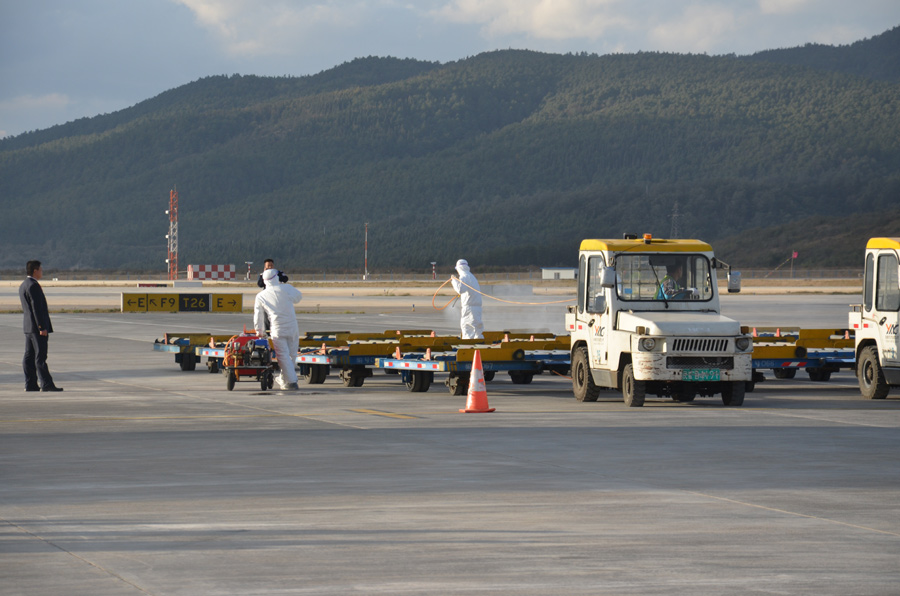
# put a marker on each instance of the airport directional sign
(193, 302)
(162, 302)
(226, 302)
(134, 302)
(170, 302)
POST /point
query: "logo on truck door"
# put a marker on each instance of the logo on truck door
(599, 331)
(891, 329)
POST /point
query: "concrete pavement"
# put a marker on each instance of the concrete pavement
(142, 479)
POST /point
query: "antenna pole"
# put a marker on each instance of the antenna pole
(172, 236)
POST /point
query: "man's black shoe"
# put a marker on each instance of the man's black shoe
(32, 389)
(53, 388)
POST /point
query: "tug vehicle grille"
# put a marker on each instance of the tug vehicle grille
(699, 344)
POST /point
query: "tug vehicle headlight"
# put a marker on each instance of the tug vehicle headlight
(742, 343)
(647, 344)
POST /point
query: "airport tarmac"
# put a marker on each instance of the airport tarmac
(143, 479)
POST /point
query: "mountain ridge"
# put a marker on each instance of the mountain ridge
(508, 157)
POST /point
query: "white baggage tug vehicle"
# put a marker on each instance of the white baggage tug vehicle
(648, 322)
(876, 321)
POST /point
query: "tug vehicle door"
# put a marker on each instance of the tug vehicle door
(882, 302)
(594, 306)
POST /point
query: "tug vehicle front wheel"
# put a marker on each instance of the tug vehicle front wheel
(872, 383)
(733, 393)
(633, 391)
(582, 382)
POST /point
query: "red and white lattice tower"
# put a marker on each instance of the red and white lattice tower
(172, 236)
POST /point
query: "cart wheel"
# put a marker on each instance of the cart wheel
(489, 375)
(420, 381)
(316, 374)
(784, 373)
(188, 361)
(819, 375)
(412, 384)
(267, 380)
(213, 365)
(353, 380)
(458, 385)
(520, 377)
(231, 379)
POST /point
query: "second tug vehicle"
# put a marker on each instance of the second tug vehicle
(648, 322)
(876, 322)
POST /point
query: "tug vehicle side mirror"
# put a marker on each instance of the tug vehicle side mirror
(608, 277)
(734, 282)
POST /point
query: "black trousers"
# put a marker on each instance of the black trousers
(35, 361)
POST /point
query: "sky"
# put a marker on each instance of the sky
(61, 60)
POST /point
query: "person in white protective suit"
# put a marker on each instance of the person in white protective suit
(277, 303)
(469, 300)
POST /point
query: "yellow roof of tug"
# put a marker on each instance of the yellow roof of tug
(638, 245)
(884, 243)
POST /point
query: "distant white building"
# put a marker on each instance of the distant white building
(558, 272)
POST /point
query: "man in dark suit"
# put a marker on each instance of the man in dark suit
(37, 328)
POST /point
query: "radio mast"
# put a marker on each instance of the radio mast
(676, 216)
(172, 236)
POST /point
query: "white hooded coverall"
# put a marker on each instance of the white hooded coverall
(470, 302)
(277, 301)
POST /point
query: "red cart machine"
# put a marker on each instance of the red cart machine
(248, 357)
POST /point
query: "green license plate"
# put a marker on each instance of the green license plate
(700, 374)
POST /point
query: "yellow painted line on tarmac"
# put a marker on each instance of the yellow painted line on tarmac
(127, 418)
(386, 414)
(148, 418)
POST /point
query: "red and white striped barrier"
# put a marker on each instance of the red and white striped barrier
(225, 272)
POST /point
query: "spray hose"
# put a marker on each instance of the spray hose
(433, 298)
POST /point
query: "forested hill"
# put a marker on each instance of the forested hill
(507, 158)
(876, 58)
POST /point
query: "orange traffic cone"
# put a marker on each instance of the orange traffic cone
(476, 400)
